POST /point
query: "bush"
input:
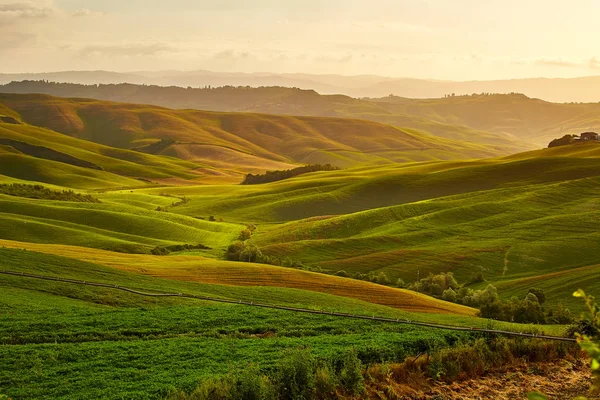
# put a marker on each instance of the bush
(41, 192)
(400, 283)
(350, 375)
(245, 384)
(234, 251)
(160, 251)
(325, 383)
(295, 376)
(273, 176)
(245, 235)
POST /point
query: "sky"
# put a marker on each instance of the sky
(435, 39)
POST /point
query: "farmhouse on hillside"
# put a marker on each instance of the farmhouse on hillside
(588, 136)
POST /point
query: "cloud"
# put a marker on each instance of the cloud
(341, 59)
(557, 63)
(15, 40)
(27, 9)
(594, 63)
(230, 54)
(133, 49)
(86, 12)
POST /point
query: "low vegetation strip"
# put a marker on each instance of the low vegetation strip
(294, 309)
(41, 192)
(274, 176)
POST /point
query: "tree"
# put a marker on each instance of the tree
(234, 251)
(251, 254)
(539, 293)
(449, 295)
(563, 141)
(245, 235)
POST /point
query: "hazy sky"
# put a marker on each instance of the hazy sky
(443, 39)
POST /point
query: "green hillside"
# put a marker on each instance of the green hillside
(535, 235)
(107, 226)
(38, 154)
(364, 188)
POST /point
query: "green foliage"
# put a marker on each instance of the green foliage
(539, 294)
(527, 310)
(41, 192)
(590, 344)
(295, 375)
(350, 375)
(245, 235)
(563, 141)
(274, 176)
(245, 384)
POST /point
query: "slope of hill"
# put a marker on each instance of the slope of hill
(363, 188)
(216, 272)
(108, 226)
(240, 137)
(528, 119)
(529, 235)
(38, 154)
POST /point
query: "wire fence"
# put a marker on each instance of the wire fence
(292, 309)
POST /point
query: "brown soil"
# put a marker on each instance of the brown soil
(560, 381)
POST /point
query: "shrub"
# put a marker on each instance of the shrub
(539, 293)
(245, 384)
(591, 344)
(400, 283)
(449, 295)
(295, 376)
(245, 235)
(273, 176)
(234, 251)
(160, 251)
(41, 192)
(325, 383)
(350, 375)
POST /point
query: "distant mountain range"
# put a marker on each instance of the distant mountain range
(584, 89)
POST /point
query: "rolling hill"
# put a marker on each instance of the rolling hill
(511, 122)
(229, 142)
(276, 100)
(529, 119)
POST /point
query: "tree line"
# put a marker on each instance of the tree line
(278, 175)
(41, 192)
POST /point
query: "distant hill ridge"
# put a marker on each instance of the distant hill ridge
(582, 89)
